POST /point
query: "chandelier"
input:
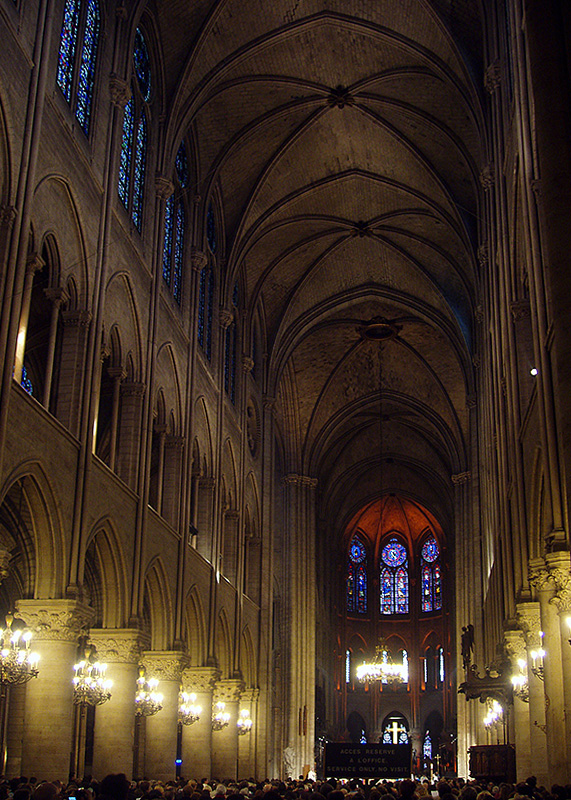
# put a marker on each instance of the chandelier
(17, 662)
(244, 722)
(147, 701)
(188, 712)
(220, 718)
(90, 686)
(520, 683)
(537, 657)
(381, 668)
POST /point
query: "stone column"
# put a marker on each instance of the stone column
(225, 742)
(48, 718)
(172, 475)
(120, 649)
(543, 584)
(559, 569)
(72, 365)
(197, 738)
(529, 620)
(161, 728)
(246, 742)
(56, 296)
(34, 264)
(515, 647)
(117, 375)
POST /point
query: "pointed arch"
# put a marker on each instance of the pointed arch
(104, 550)
(159, 605)
(248, 659)
(195, 628)
(223, 645)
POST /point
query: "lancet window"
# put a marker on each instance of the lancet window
(357, 577)
(394, 578)
(175, 225)
(430, 576)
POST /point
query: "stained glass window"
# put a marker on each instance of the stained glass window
(427, 746)
(405, 665)
(178, 252)
(357, 577)
(77, 56)
(134, 141)
(181, 165)
(394, 586)
(26, 382)
(347, 666)
(167, 242)
(430, 576)
(441, 671)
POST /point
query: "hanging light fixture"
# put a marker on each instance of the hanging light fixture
(17, 663)
(537, 657)
(381, 668)
(147, 700)
(520, 683)
(188, 711)
(90, 686)
(220, 718)
(244, 722)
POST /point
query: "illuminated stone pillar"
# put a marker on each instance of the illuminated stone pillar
(529, 620)
(48, 717)
(246, 742)
(225, 741)
(515, 647)
(120, 649)
(161, 728)
(559, 566)
(197, 738)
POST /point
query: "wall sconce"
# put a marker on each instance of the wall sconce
(188, 711)
(244, 722)
(520, 683)
(147, 701)
(537, 657)
(495, 716)
(220, 718)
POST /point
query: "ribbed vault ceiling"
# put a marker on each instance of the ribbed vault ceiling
(343, 140)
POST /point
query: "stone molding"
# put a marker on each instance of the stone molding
(133, 389)
(4, 563)
(166, 665)
(34, 263)
(119, 91)
(247, 364)
(515, 646)
(538, 575)
(483, 254)
(198, 259)
(520, 309)
(226, 318)
(493, 76)
(56, 620)
(250, 696)
(487, 177)
(559, 566)
(199, 679)
(175, 442)
(228, 691)
(460, 478)
(7, 215)
(76, 317)
(119, 645)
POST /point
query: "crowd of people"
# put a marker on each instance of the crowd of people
(118, 787)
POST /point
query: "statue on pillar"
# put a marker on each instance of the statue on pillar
(467, 645)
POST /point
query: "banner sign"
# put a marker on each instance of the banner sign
(367, 760)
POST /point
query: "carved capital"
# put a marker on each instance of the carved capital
(487, 177)
(529, 620)
(199, 679)
(117, 373)
(119, 645)
(539, 576)
(559, 566)
(133, 389)
(165, 665)
(76, 318)
(4, 563)
(493, 76)
(7, 215)
(207, 484)
(483, 254)
(461, 477)
(163, 187)
(119, 91)
(175, 442)
(300, 480)
(228, 691)
(56, 295)
(515, 646)
(249, 696)
(247, 364)
(63, 620)
(226, 318)
(198, 259)
(34, 263)
(520, 310)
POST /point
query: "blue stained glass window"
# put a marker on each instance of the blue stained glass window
(430, 576)
(87, 66)
(181, 165)
(357, 577)
(26, 382)
(126, 153)
(211, 229)
(394, 591)
(178, 252)
(427, 746)
(403, 737)
(167, 242)
(142, 65)
(67, 48)
(139, 171)
(387, 737)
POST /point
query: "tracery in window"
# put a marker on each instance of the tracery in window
(427, 747)
(77, 57)
(394, 578)
(357, 577)
(430, 575)
(175, 225)
(134, 141)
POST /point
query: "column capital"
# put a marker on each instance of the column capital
(199, 679)
(539, 576)
(228, 691)
(520, 309)
(300, 480)
(559, 566)
(4, 563)
(175, 442)
(487, 176)
(56, 295)
(7, 215)
(225, 318)
(207, 483)
(493, 76)
(461, 477)
(63, 620)
(529, 620)
(250, 695)
(515, 646)
(133, 389)
(198, 259)
(119, 645)
(119, 91)
(166, 665)
(247, 364)
(34, 263)
(163, 187)
(117, 373)
(76, 317)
